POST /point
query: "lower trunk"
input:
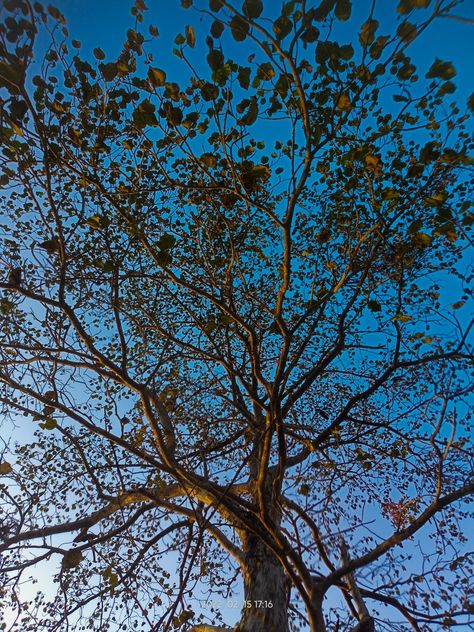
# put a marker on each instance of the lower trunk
(266, 590)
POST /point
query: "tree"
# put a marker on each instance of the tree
(225, 312)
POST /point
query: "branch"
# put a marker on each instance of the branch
(82, 524)
(399, 536)
(459, 18)
(204, 627)
(391, 601)
(366, 622)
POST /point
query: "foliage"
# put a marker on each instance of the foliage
(225, 312)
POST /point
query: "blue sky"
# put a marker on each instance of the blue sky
(103, 23)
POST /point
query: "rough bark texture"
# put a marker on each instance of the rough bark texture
(266, 591)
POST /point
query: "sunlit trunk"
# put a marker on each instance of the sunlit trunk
(266, 590)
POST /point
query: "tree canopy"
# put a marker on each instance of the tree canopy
(234, 314)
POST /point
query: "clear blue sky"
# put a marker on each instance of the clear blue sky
(104, 23)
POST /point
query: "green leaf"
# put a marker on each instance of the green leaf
(407, 32)
(373, 164)
(11, 76)
(415, 226)
(166, 242)
(72, 558)
(239, 28)
(209, 160)
(215, 5)
(251, 116)
(310, 35)
(260, 172)
(405, 6)
(283, 85)
(99, 53)
(282, 27)
(441, 69)
(377, 47)
(226, 319)
(156, 76)
(163, 258)
(324, 236)
(109, 71)
(50, 245)
(265, 71)
(437, 199)
(448, 87)
(304, 489)
(346, 52)
(243, 76)
(323, 10)
(343, 10)
(374, 306)
(6, 306)
(56, 14)
(421, 240)
(215, 59)
(429, 152)
(252, 8)
(174, 115)
(323, 52)
(217, 29)
(18, 109)
(144, 114)
(49, 424)
(209, 91)
(367, 32)
(470, 102)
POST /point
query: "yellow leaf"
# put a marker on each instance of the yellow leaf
(403, 318)
(156, 76)
(5, 468)
(190, 36)
(96, 222)
(261, 171)
(373, 164)
(422, 240)
(344, 103)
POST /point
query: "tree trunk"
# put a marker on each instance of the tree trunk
(266, 590)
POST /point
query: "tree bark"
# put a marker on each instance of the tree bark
(266, 590)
